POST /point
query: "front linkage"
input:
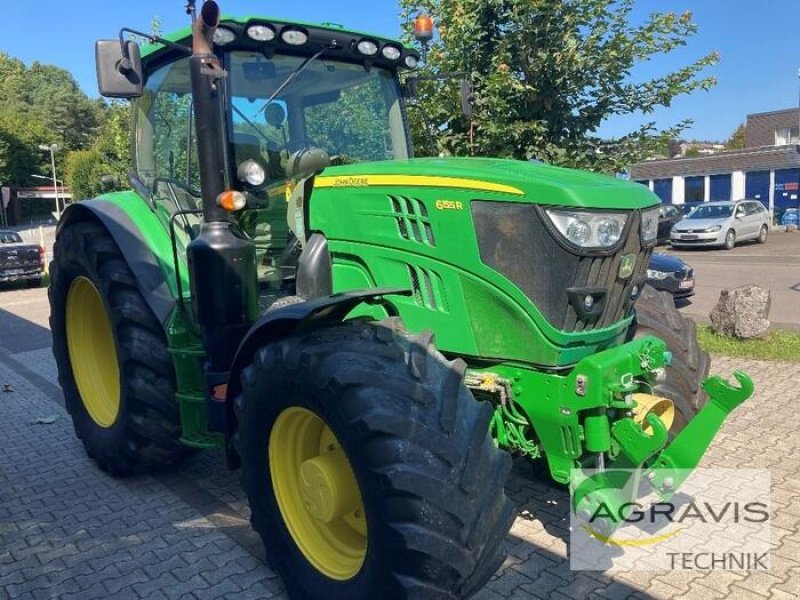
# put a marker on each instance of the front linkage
(600, 421)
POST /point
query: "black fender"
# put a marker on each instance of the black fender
(141, 260)
(284, 321)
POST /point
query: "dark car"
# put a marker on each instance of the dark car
(668, 215)
(20, 261)
(670, 274)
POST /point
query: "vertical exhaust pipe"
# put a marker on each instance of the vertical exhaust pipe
(204, 27)
(222, 264)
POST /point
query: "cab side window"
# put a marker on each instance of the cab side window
(165, 156)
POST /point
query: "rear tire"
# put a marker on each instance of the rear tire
(730, 240)
(134, 424)
(427, 470)
(656, 315)
(762, 234)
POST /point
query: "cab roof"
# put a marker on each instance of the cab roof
(319, 36)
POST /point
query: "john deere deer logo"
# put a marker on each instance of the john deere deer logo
(626, 266)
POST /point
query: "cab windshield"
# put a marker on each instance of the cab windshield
(351, 112)
(711, 212)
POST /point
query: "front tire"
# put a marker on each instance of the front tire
(730, 240)
(113, 364)
(419, 508)
(656, 315)
(762, 234)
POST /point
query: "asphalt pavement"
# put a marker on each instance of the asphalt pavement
(774, 265)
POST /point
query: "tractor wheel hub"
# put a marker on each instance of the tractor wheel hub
(324, 486)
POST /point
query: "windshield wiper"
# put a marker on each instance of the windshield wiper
(294, 74)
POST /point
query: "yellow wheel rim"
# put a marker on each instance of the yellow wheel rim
(317, 493)
(92, 352)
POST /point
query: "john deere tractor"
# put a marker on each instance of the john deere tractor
(272, 284)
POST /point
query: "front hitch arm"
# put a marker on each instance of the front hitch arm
(616, 489)
(676, 462)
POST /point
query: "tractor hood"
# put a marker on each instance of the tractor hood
(516, 181)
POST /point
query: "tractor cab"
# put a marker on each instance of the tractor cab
(284, 89)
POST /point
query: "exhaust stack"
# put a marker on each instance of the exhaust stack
(204, 27)
(222, 264)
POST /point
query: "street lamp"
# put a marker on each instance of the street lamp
(53, 148)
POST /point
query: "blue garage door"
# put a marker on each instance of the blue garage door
(756, 186)
(787, 188)
(720, 187)
(694, 189)
(663, 189)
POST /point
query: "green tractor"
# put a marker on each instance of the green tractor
(272, 284)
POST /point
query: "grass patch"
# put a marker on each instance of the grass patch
(779, 344)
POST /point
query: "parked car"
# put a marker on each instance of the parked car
(722, 224)
(670, 274)
(791, 216)
(20, 261)
(668, 215)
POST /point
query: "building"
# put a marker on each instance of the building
(23, 205)
(767, 169)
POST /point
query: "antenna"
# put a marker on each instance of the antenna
(190, 10)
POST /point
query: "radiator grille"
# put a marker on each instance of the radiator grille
(514, 240)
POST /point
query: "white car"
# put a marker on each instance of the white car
(722, 224)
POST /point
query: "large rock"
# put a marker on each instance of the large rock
(742, 312)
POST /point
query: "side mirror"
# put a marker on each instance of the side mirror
(119, 69)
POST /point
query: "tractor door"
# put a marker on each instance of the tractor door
(165, 165)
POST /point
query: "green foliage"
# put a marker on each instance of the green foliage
(41, 104)
(85, 169)
(736, 141)
(19, 148)
(779, 344)
(547, 73)
(692, 152)
(110, 155)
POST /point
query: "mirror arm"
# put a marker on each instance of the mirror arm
(125, 65)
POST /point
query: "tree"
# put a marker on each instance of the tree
(41, 105)
(547, 74)
(19, 149)
(110, 155)
(85, 170)
(736, 141)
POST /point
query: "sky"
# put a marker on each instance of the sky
(758, 70)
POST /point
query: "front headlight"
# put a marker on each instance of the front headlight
(713, 229)
(656, 274)
(588, 229)
(649, 226)
(251, 173)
